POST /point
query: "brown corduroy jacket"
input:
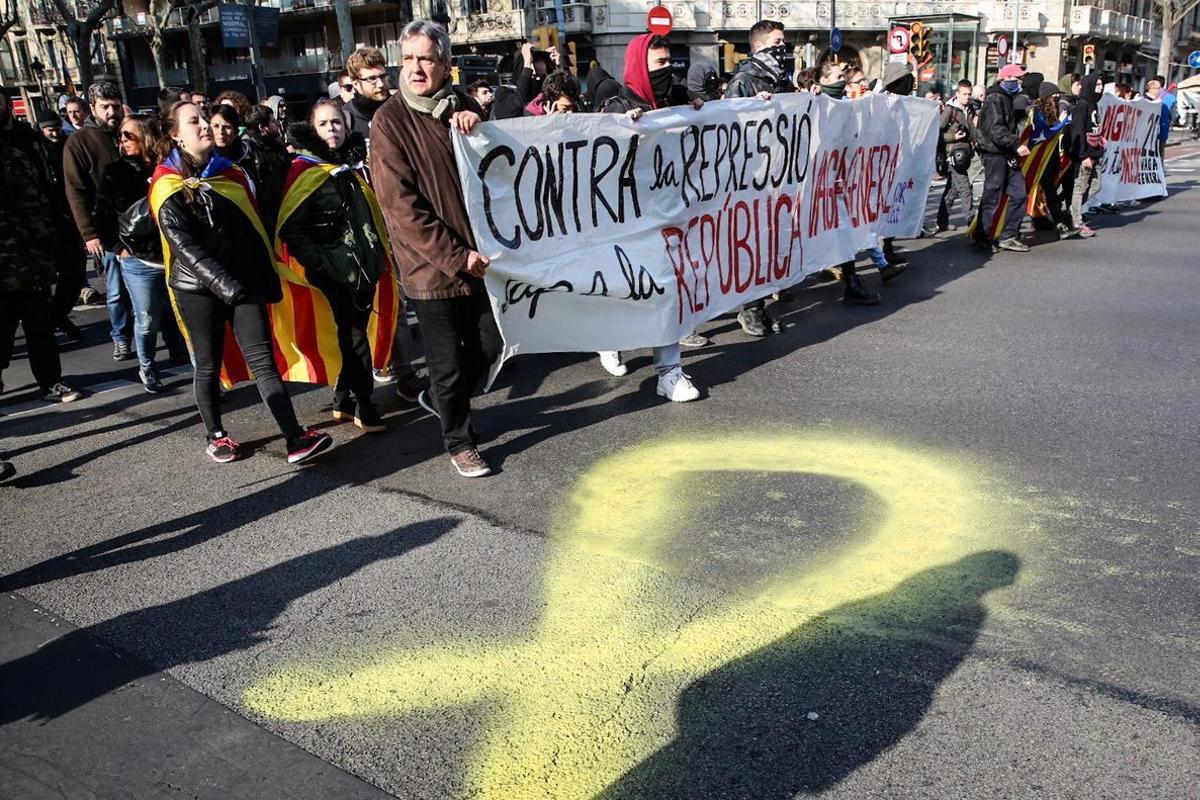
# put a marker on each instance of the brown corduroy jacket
(88, 151)
(416, 181)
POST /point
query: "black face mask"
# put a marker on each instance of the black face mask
(660, 82)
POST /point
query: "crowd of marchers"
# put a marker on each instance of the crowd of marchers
(221, 222)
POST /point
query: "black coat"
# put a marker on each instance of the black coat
(215, 250)
(752, 78)
(999, 131)
(267, 166)
(123, 183)
(1085, 119)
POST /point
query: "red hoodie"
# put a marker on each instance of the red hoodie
(637, 74)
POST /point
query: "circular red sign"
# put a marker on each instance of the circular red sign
(659, 20)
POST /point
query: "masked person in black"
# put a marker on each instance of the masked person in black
(999, 145)
(1085, 145)
(530, 68)
(648, 86)
(763, 74)
(601, 87)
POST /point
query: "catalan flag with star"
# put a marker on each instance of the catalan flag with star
(1045, 152)
(306, 340)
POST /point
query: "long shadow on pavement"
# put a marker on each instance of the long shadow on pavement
(228, 618)
(868, 669)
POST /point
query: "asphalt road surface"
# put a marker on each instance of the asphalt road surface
(945, 547)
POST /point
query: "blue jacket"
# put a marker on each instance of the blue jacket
(1168, 114)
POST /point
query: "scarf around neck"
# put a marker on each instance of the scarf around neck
(836, 90)
(770, 64)
(440, 105)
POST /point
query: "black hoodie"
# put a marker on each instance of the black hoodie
(601, 86)
(1085, 119)
(999, 131)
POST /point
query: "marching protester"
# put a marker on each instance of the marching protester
(416, 179)
(331, 226)
(600, 87)
(27, 253)
(761, 75)
(267, 161)
(369, 75)
(221, 274)
(70, 259)
(89, 150)
(482, 93)
(1047, 122)
(530, 68)
(832, 82)
(999, 145)
(225, 124)
(1085, 146)
(648, 84)
(958, 137)
(125, 226)
(74, 112)
(898, 79)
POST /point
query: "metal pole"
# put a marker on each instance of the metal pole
(950, 56)
(260, 83)
(1012, 55)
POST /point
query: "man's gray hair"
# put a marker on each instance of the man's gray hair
(431, 31)
(103, 90)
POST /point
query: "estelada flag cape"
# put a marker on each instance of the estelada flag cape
(228, 180)
(306, 339)
(1043, 141)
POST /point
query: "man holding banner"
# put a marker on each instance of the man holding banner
(1085, 145)
(417, 182)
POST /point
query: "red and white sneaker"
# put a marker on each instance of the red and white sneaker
(308, 446)
(223, 449)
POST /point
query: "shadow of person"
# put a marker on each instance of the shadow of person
(74, 669)
(869, 669)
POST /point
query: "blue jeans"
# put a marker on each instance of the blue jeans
(116, 297)
(147, 286)
(877, 256)
(667, 358)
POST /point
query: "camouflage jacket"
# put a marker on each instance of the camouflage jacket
(27, 229)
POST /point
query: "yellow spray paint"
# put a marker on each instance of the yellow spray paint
(593, 691)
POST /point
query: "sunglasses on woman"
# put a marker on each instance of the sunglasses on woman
(128, 136)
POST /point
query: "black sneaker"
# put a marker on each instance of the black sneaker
(1066, 232)
(1014, 245)
(150, 381)
(343, 410)
(70, 331)
(222, 449)
(889, 271)
(122, 351)
(753, 322)
(61, 393)
(409, 388)
(307, 446)
(367, 419)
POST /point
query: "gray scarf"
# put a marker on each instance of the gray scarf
(440, 106)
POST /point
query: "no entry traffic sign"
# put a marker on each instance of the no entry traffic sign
(659, 20)
(1002, 46)
(898, 38)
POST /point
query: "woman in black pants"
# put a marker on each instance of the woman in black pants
(221, 273)
(331, 228)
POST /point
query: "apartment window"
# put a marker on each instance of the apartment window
(8, 65)
(375, 36)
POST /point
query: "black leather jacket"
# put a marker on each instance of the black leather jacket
(124, 183)
(215, 250)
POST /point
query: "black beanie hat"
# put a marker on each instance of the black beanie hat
(1047, 89)
(46, 118)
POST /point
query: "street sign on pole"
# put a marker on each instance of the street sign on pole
(835, 39)
(898, 38)
(659, 20)
(1194, 59)
(1002, 47)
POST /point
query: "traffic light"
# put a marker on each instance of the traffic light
(918, 43)
(1089, 54)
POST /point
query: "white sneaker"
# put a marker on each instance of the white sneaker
(611, 361)
(677, 387)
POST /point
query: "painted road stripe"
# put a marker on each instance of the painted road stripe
(90, 392)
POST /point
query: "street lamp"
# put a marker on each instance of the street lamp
(39, 70)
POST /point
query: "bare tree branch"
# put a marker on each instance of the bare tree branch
(8, 16)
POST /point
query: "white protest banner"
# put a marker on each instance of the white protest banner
(1131, 168)
(610, 234)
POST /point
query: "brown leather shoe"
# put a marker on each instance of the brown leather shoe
(470, 464)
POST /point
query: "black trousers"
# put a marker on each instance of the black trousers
(1000, 179)
(958, 187)
(33, 311)
(1060, 213)
(355, 377)
(204, 317)
(70, 261)
(461, 342)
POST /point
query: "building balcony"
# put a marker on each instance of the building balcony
(495, 26)
(1083, 21)
(1044, 17)
(577, 17)
(296, 65)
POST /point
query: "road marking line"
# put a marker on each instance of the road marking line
(91, 391)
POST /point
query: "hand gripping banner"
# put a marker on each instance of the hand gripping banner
(609, 234)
